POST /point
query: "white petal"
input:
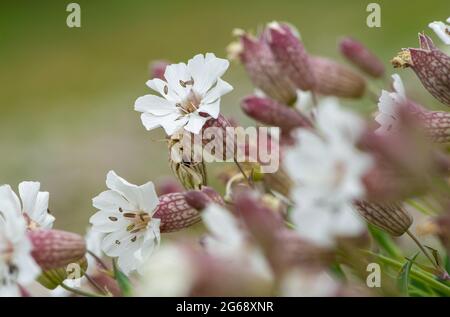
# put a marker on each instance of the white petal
(399, 88)
(155, 105)
(173, 122)
(128, 262)
(151, 121)
(148, 200)
(174, 74)
(220, 89)
(28, 192)
(386, 104)
(101, 221)
(213, 109)
(315, 225)
(195, 123)
(111, 200)
(440, 29)
(126, 189)
(222, 225)
(117, 243)
(348, 223)
(206, 71)
(9, 202)
(163, 89)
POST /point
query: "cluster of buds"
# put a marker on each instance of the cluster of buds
(278, 64)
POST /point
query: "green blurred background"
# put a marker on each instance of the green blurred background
(67, 95)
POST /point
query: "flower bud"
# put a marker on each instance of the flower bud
(431, 65)
(167, 185)
(392, 218)
(264, 71)
(291, 55)
(272, 113)
(436, 125)
(158, 68)
(55, 248)
(443, 230)
(337, 80)
(52, 278)
(181, 210)
(359, 55)
(222, 134)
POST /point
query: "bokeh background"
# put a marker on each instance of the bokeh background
(67, 95)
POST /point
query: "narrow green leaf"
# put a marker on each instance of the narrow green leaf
(122, 280)
(435, 254)
(385, 242)
(403, 278)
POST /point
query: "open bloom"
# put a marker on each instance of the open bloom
(328, 171)
(33, 204)
(190, 95)
(126, 217)
(389, 104)
(228, 241)
(435, 123)
(442, 30)
(17, 266)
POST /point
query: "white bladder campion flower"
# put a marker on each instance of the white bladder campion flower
(17, 266)
(33, 204)
(126, 217)
(388, 106)
(301, 283)
(190, 95)
(170, 272)
(228, 241)
(327, 170)
(442, 30)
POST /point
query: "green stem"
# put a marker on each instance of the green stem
(415, 273)
(79, 291)
(419, 207)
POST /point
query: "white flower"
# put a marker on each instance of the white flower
(300, 283)
(228, 241)
(190, 95)
(442, 30)
(327, 169)
(126, 217)
(17, 266)
(34, 206)
(388, 106)
(169, 272)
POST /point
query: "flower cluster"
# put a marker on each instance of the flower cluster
(346, 184)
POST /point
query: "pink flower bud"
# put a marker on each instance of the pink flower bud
(181, 210)
(272, 113)
(337, 80)
(55, 248)
(359, 55)
(158, 68)
(291, 55)
(431, 65)
(167, 185)
(436, 125)
(222, 123)
(52, 278)
(405, 162)
(264, 71)
(443, 229)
